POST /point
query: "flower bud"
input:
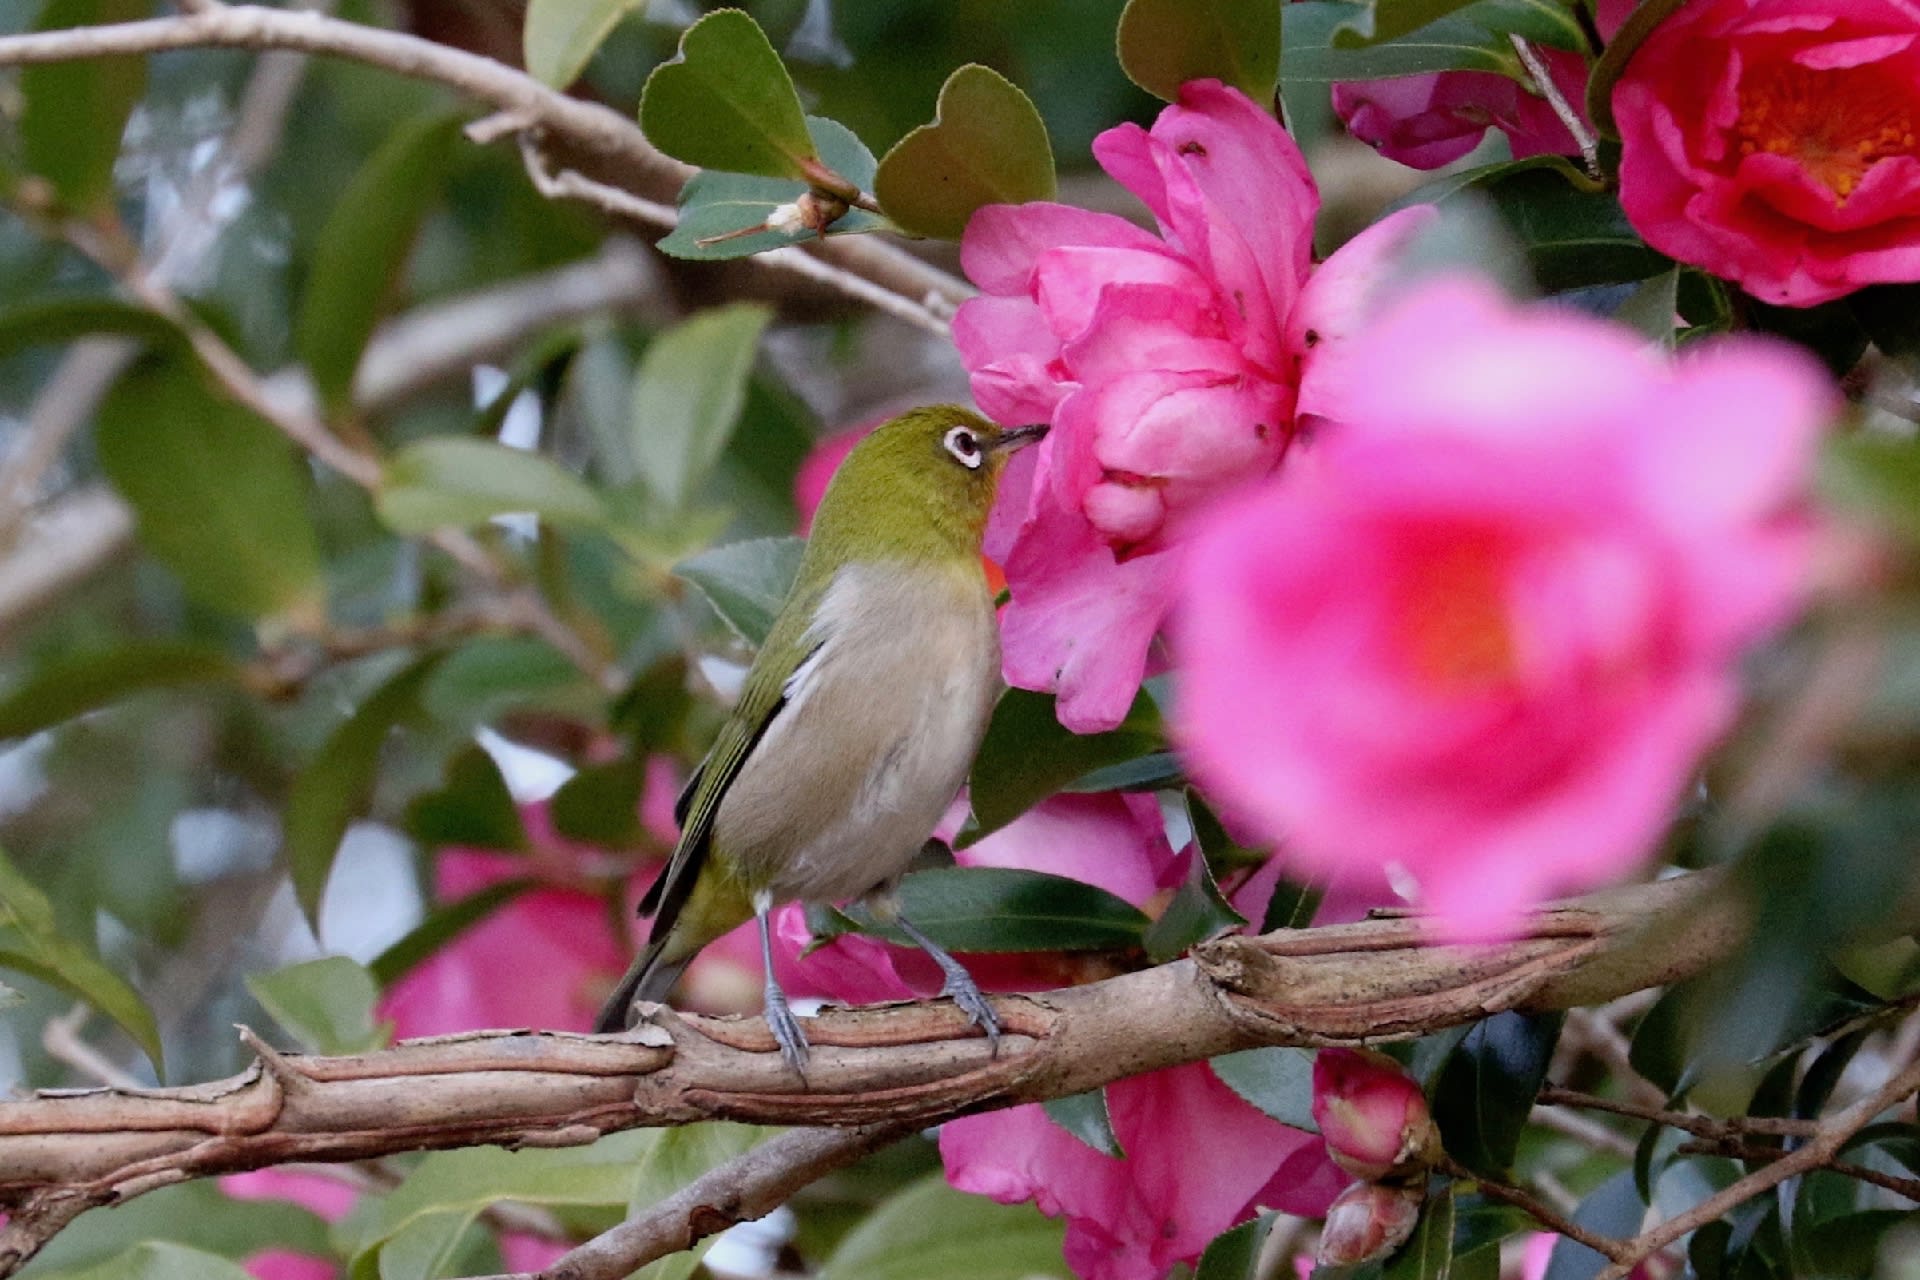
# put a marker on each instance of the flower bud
(1367, 1221)
(1372, 1114)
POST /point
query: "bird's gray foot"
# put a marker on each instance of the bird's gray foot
(786, 1028)
(959, 985)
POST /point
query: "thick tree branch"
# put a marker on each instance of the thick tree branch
(901, 1065)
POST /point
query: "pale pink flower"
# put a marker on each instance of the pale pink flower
(1485, 631)
(1777, 143)
(1368, 1221)
(1166, 364)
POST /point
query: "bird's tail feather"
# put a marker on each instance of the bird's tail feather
(650, 977)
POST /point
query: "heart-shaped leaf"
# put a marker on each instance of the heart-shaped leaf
(987, 145)
(727, 102)
(1165, 43)
(724, 215)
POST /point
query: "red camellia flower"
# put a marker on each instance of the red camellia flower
(1777, 143)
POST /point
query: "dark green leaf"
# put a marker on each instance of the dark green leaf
(726, 102)
(1824, 1072)
(1852, 1244)
(1428, 1253)
(1197, 912)
(1027, 755)
(1479, 1222)
(1235, 1254)
(1430, 1053)
(746, 582)
(1218, 847)
(1165, 43)
(441, 926)
(1613, 61)
(929, 1231)
(52, 321)
(159, 1260)
(474, 808)
(325, 1004)
(1707, 1250)
(74, 683)
(1659, 1049)
(987, 145)
(1278, 1081)
(363, 249)
(600, 804)
(1612, 1210)
(1830, 331)
(1155, 771)
(1373, 23)
(76, 111)
(716, 207)
(337, 784)
(1084, 1115)
(561, 35)
(1890, 313)
(1003, 909)
(1573, 236)
(453, 480)
(220, 495)
(1487, 1088)
(687, 396)
(1454, 43)
(34, 946)
(1650, 309)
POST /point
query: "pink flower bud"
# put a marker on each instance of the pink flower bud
(1372, 1114)
(1368, 1220)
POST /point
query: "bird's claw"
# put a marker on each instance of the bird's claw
(787, 1031)
(972, 1002)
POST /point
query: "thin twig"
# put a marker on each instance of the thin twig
(1546, 1215)
(1576, 124)
(1908, 1187)
(61, 1038)
(1580, 1129)
(1698, 1125)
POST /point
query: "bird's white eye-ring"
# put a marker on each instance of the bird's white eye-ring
(965, 447)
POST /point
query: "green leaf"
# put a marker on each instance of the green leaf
(983, 910)
(600, 804)
(1876, 477)
(1647, 15)
(158, 1260)
(1372, 22)
(1216, 846)
(726, 102)
(221, 497)
(1428, 1253)
(1614, 1209)
(1660, 1042)
(746, 582)
(987, 145)
(474, 808)
(687, 396)
(77, 110)
(1027, 755)
(195, 1214)
(1235, 1254)
(929, 1231)
(1165, 43)
(363, 248)
(1197, 912)
(70, 684)
(325, 1004)
(454, 480)
(675, 1158)
(53, 321)
(1649, 309)
(441, 926)
(1155, 771)
(1084, 1115)
(1890, 314)
(1278, 1081)
(715, 207)
(35, 947)
(561, 35)
(337, 784)
(1472, 38)
(1487, 1088)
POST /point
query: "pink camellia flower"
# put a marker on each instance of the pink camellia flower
(1167, 364)
(1372, 1114)
(1368, 1221)
(1777, 143)
(1483, 635)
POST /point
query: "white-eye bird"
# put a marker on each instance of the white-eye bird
(858, 719)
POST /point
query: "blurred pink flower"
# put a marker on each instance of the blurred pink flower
(1166, 363)
(284, 1264)
(810, 482)
(1485, 631)
(1773, 142)
(329, 1198)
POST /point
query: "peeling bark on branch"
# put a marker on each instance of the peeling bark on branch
(893, 1065)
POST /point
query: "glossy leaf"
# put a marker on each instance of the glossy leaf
(1487, 1088)
(987, 145)
(1890, 314)
(157, 1260)
(1085, 1116)
(1197, 912)
(67, 686)
(326, 1004)
(1659, 1047)
(32, 945)
(1308, 54)
(1235, 1254)
(1573, 233)
(1278, 1081)
(221, 497)
(929, 1231)
(984, 910)
(1614, 1209)
(687, 396)
(1428, 1253)
(1027, 755)
(1155, 771)
(1374, 22)
(1606, 73)
(560, 36)
(363, 248)
(746, 582)
(716, 207)
(474, 808)
(76, 111)
(52, 321)
(337, 784)
(672, 1160)
(726, 102)
(441, 926)
(1165, 43)
(455, 480)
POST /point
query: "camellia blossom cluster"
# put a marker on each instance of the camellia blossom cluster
(1777, 143)
(1171, 367)
(1481, 634)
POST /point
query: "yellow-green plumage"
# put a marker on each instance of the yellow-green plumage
(859, 716)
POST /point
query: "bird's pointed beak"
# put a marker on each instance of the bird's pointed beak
(1019, 438)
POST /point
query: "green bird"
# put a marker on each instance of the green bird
(859, 717)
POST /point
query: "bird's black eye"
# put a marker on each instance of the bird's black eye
(965, 447)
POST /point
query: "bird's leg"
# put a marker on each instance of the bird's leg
(959, 983)
(780, 1019)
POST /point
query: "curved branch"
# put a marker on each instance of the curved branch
(896, 1065)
